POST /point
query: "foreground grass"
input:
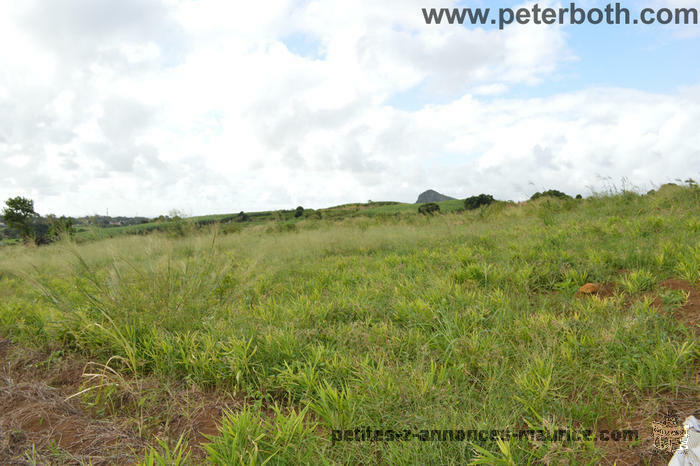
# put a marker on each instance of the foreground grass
(464, 320)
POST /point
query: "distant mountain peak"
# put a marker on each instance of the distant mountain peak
(432, 196)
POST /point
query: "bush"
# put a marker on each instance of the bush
(578, 196)
(429, 208)
(475, 202)
(550, 193)
(299, 212)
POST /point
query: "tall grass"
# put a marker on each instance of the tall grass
(467, 320)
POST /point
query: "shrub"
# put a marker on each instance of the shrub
(550, 193)
(60, 226)
(299, 212)
(578, 196)
(429, 208)
(475, 202)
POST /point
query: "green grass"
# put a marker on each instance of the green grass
(462, 320)
(283, 218)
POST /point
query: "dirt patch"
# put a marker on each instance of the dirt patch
(36, 415)
(196, 415)
(40, 416)
(607, 290)
(588, 289)
(39, 424)
(643, 451)
(601, 290)
(680, 405)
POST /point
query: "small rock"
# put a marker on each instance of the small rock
(589, 288)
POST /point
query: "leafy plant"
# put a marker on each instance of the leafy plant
(638, 281)
(164, 455)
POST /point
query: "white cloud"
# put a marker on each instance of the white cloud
(200, 105)
(490, 89)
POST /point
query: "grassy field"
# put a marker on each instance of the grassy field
(187, 225)
(256, 345)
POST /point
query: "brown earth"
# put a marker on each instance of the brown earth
(34, 413)
(603, 290)
(589, 288)
(643, 452)
(607, 290)
(682, 404)
(40, 417)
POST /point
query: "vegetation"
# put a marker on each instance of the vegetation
(429, 208)
(469, 320)
(23, 221)
(59, 226)
(475, 202)
(551, 193)
(18, 214)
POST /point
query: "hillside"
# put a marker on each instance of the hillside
(273, 218)
(268, 343)
(432, 196)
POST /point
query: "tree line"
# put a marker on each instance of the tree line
(482, 200)
(23, 222)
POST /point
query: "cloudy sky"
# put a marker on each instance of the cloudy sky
(213, 106)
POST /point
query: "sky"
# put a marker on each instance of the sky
(141, 107)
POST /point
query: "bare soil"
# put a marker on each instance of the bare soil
(682, 404)
(38, 424)
(42, 422)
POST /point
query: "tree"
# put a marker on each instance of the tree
(176, 214)
(299, 212)
(550, 193)
(18, 215)
(429, 208)
(60, 226)
(475, 202)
